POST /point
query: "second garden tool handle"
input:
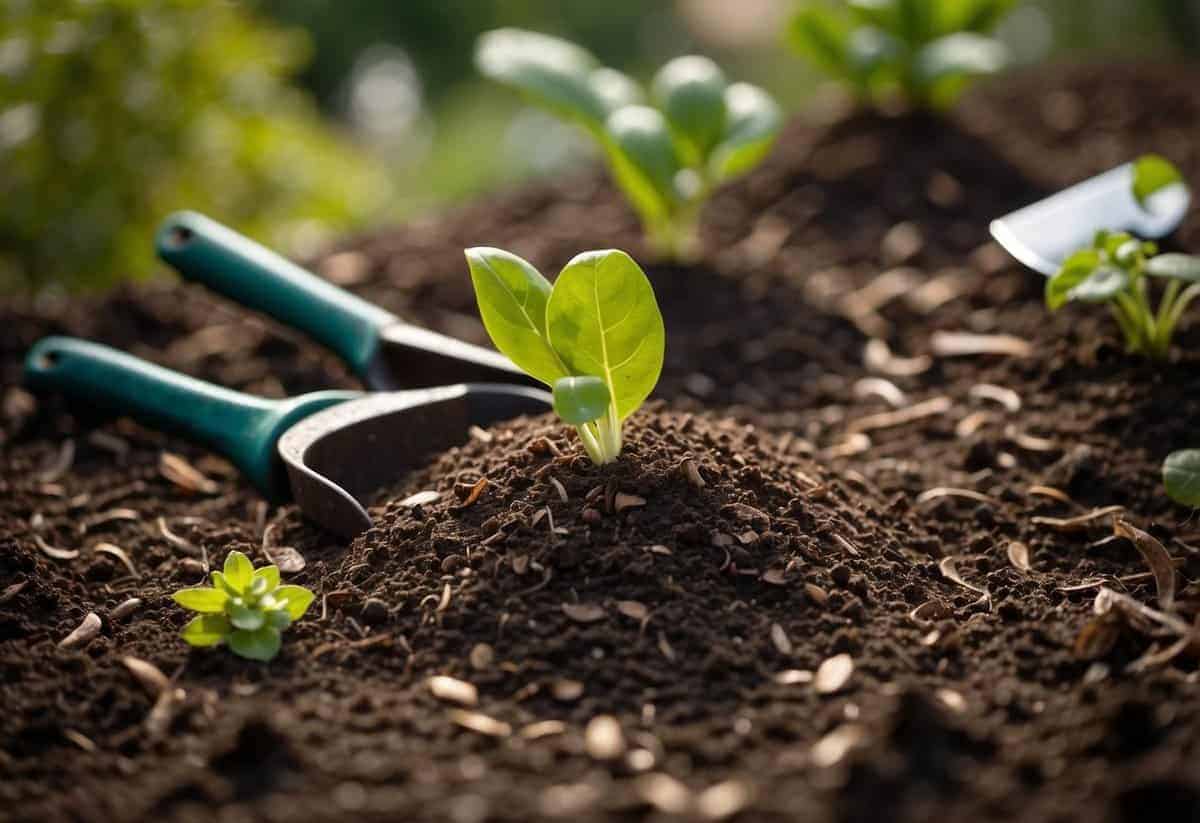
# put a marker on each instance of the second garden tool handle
(207, 252)
(242, 427)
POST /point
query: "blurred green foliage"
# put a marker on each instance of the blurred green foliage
(113, 114)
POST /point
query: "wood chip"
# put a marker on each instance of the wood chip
(603, 738)
(833, 674)
(633, 609)
(85, 633)
(584, 612)
(949, 569)
(453, 690)
(53, 552)
(543, 728)
(793, 677)
(1156, 557)
(286, 558)
(1018, 555)
(119, 553)
(125, 609)
(422, 498)
(480, 723)
(1078, 523)
(664, 793)
(623, 501)
(878, 358)
(149, 675)
(833, 747)
(885, 390)
(910, 414)
(945, 491)
(724, 800)
(691, 473)
(184, 475)
(779, 638)
(964, 344)
(1009, 399)
(567, 690)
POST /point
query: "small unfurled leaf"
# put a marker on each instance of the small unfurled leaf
(262, 644)
(202, 599)
(269, 574)
(1181, 475)
(869, 50)
(512, 297)
(298, 599)
(239, 571)
(690, 91)
(752, 122)
(1177, 266)
(604, 320)
(246, 617)
(944, 67)
(1101, 285)
(615, 89)
(219, 582)
(207, 630)
(643, 159)
(1077, 268)
(1151, 174)
(821, 35)
(579, 400)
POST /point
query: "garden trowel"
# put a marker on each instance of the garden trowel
(1044, 234)
(328, 450)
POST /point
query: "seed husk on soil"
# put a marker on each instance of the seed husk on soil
(833, 674)
(83, 634)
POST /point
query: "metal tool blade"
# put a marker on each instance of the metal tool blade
(1044, 234)
(337, 458)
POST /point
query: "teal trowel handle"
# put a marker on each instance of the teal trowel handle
(242, 427)
(207, 252)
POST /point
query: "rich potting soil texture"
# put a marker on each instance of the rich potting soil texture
(840, 573)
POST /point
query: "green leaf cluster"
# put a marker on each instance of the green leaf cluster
(596, 337)
(113, 114)
(245, 607)
(927, 51)
(667, 147)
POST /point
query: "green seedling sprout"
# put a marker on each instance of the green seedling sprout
(668, 149)
(245, 608)
(927, 51)
(596, 336)
(1117, 270)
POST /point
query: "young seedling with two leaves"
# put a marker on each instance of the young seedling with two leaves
(668, 150)
(596, 336)
(926, 51)
(245, 607)
(1118, 268)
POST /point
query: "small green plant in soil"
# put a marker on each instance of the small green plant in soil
(925, 51)
(667, 150)
(1117, 269)
(245, 608)
(596, 336)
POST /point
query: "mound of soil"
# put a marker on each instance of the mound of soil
(822, 491)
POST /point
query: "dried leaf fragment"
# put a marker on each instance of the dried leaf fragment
(1078, 523)
(949, 569)
(286, 558)
(184, 475)
(83, 634)
(119, 553)
(833, 674)
(584, 612)
(454, 690)
(603, 738)
(1156, 557)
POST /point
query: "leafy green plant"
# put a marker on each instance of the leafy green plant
(245, 607)
(1117, 268)
(699, 132)
(926, 50)
(596, 336)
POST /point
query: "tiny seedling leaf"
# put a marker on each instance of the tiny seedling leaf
(512, 297)
(239, 571)
(644, 160)
(579, 400)
(246, 617)
(206, 630)
(690, 91)
(270, 574)
(219, 582)
(1077, 268)
(1178, 266)
(962, 54)
(261, 644)
(1101, 285)
(753, 121)
(298, 600)
(1181, 476)
(615, 88)
(1152, 173)
(870, 49)
(203, 600)
(603, 320)
(822, 36)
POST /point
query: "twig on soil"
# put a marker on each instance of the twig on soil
(964, 344)
(1078, 523)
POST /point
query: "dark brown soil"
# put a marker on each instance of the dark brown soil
(695, 619)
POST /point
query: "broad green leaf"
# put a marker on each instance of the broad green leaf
(604, 321)
(1101, 285)
(297, 598)
(246, 617)
(752, 124)
(615, 89)
(279, 619)
(1181, 476)
(261, 644)
(548, 70)
(206, 630)
(219, 582)
(821, 35)
(202, 599)
(960, 55)
(270, 574)
(579, 400)
(1077, 268)
(512, 298)
(690, 91)
(643, 159)
(1178, 266)
(1151, 173)
(239, 571)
